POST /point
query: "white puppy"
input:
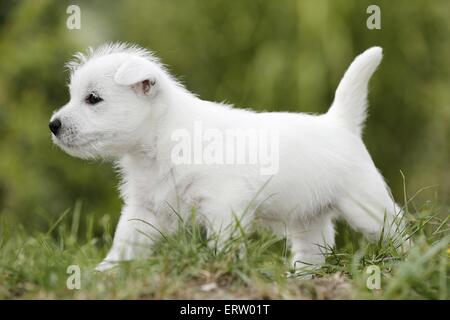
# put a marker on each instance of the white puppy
(125, 106)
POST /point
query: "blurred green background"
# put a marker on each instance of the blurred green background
(272, 55)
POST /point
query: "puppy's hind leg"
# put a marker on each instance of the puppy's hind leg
(310, 241)
(369, 207)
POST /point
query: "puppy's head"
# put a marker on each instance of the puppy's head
(114, 93)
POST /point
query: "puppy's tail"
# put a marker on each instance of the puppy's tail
(350, 101)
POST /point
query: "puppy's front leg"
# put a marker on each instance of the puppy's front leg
(223, 223)
(135, 233)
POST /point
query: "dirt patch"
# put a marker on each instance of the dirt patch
(335, 286)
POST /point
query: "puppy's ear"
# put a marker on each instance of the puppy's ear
(138, 73)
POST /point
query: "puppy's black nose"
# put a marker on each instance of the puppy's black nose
(54, 126)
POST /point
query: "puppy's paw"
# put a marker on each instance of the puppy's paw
(106, 265)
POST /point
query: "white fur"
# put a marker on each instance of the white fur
(324, 172)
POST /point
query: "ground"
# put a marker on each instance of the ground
(186, 265)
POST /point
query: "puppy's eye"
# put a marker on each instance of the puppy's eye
(93, 98)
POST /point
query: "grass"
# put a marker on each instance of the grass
(184, 266)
